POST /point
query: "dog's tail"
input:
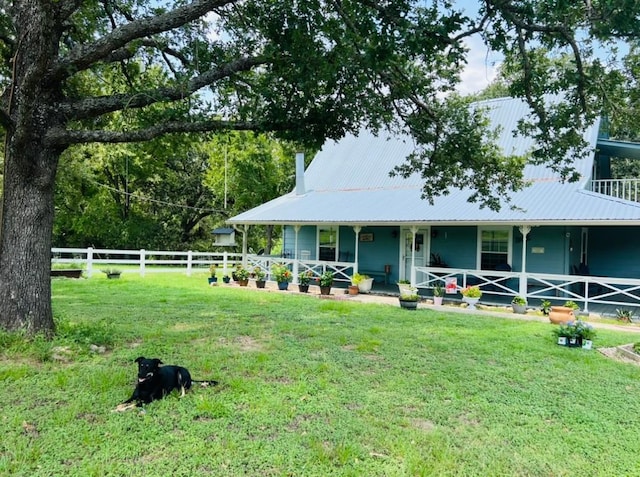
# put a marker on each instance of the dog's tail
(205, 384)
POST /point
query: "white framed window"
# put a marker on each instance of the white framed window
(328, 243)
(494, 247)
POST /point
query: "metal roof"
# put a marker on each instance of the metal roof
(348, 182)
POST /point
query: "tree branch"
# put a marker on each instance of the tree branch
(58, 136)
(92, 107)
(83, 56)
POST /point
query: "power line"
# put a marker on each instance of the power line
(131, 195)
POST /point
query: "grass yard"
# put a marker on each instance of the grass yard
(309, 387)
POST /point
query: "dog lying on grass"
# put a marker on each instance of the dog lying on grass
(156, 382)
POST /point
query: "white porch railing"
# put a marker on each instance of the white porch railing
(584, 290)
(628, 189)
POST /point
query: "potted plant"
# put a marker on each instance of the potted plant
(545, 307)
(409, 302)
(356, 279)
(519, 305)
(226, 278)
(471, 295)
(563, 314)
(282, 275)
(438, 294)
(363, 282)
(213, 269)
(303, 281)
(259, 274)
(325, 280)
(68, 270)
(242, 276)
(112, 273)
(575, 334)
(624, 315)
(405, 288)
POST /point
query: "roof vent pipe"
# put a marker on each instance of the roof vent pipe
(300, 190)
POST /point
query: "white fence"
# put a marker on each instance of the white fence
(584, 290)
(157, 261)
(628, 189)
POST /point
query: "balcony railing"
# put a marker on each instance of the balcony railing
(628, 189)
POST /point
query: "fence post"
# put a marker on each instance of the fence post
(142, 262)
(89, 262)
(224, 262)
(189, 259)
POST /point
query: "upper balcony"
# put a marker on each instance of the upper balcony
(628, 189)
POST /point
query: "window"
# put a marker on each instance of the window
(495, 248)
(327, 243)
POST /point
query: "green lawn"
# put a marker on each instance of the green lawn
(309, 387)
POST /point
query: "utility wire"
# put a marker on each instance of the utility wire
(132, 195)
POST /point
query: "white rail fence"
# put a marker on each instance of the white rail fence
(158, 261)
(628, 189)
(584, 290)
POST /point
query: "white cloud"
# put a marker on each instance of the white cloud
(482, 67)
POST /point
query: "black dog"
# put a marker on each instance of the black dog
(156, 382)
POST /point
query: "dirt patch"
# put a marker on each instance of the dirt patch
(244, 343)
(623, 354)
(423, 424)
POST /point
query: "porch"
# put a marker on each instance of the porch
(592, 293)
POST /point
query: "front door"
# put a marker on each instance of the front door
(416, 250)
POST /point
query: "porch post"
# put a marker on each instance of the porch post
(245, 233)
(296, 228)
(524, 230)
(357, 230)
(414, 231)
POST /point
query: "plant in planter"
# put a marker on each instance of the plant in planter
(112, 272)
(575, 334)
(624, 315)
(242, 276)
(213, 270)
(545, 307)
(519, 305)
(471, 295)
(325, 280)
(68, 270)
(405, 288)
(226, 278)
(282, 275)
(438, 294)
(260, 275)
(571, 304)
(409, 302)
(304, 279)
(363, 282)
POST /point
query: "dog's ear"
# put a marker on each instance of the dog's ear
(138, 359)
(156, 362)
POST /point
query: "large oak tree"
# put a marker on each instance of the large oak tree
(306, 69)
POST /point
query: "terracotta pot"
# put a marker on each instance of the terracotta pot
(244, 282)
(561, 314)
(353, 289)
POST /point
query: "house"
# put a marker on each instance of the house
(565, 240)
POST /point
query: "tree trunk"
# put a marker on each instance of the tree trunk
(30, 169)
(25, 243)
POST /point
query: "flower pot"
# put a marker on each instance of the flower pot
(243, 282)
(471, 302)
(561, 314)
(562, 340)
(226, 279)
(212, 280)
(113, 276)
(408, 304)
(437, 300)
(303, 288)
(406, 289)
(519, 309)
(325, 290)
(574, 343)
(283, 285)
(365, 285)
(260, 283)
(66, 272)
(353, 289)
(587, 344)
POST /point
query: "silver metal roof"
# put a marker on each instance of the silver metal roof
(348, 182)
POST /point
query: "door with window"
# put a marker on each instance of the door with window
(327, 243)
(417, 248)
(495, 248)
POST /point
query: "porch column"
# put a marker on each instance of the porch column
(357, 230)
(295, 270)
(245, 233)
(414, 231)
(524, 230)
